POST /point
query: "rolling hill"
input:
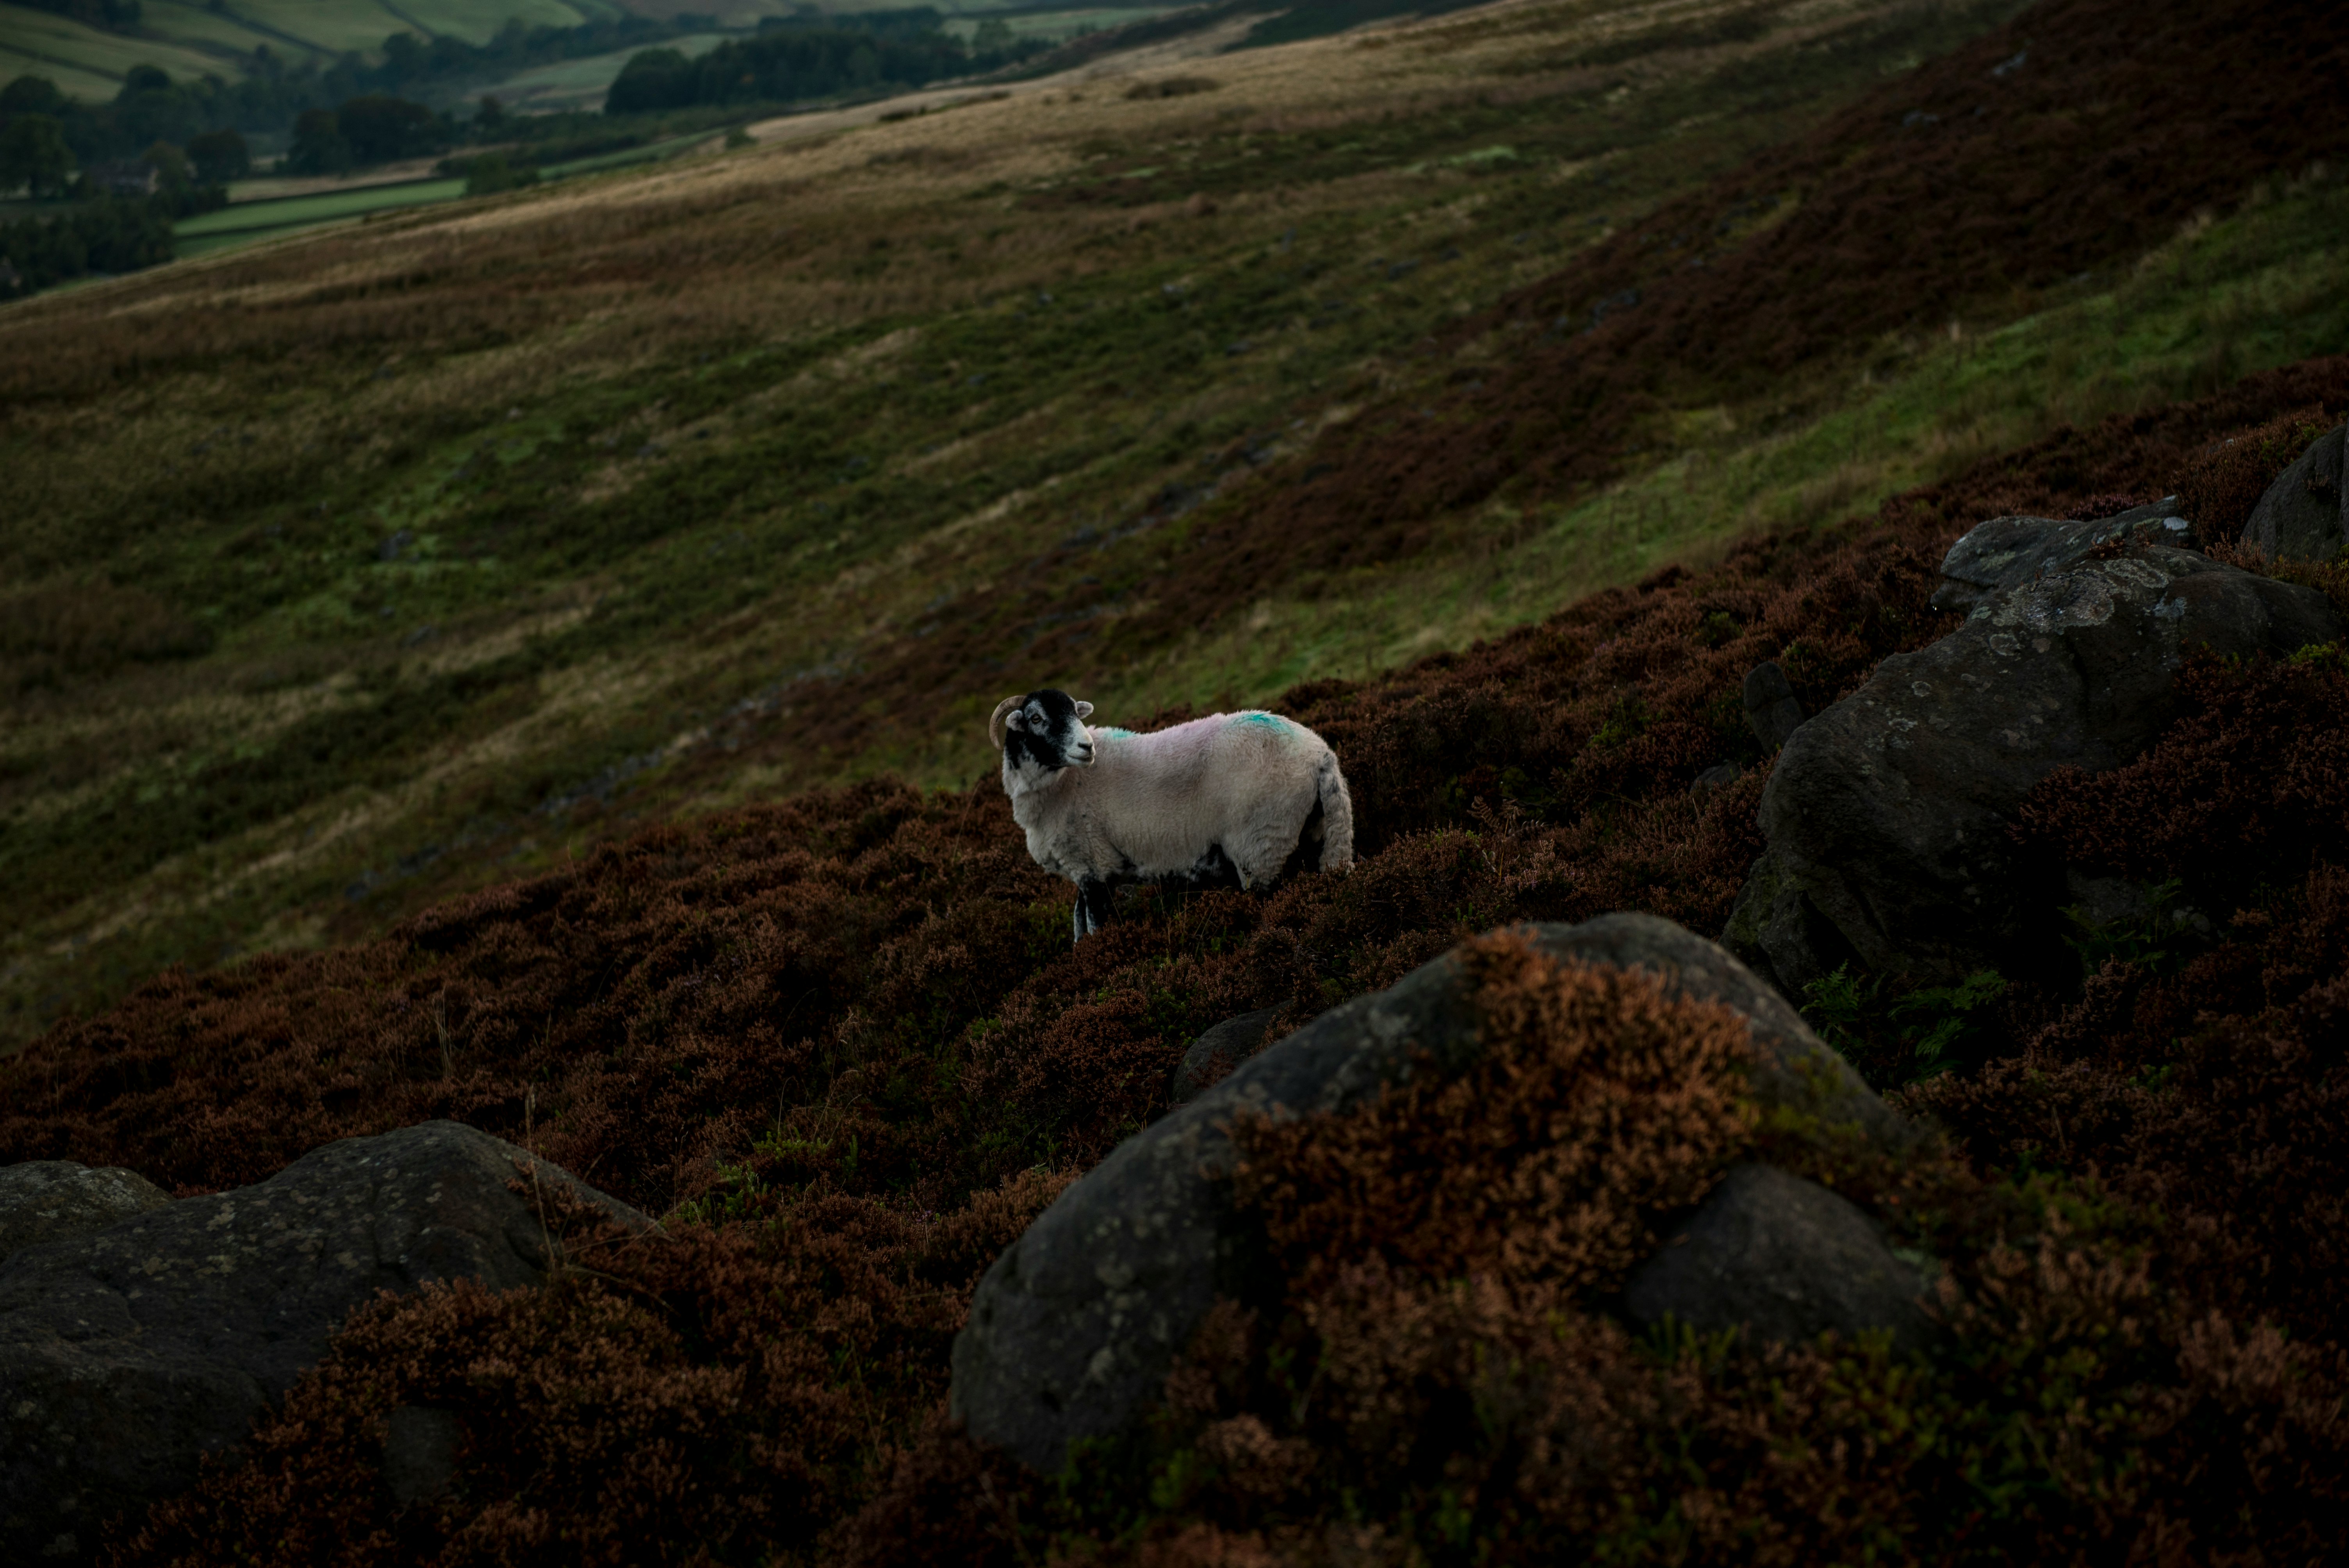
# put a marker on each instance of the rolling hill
(526, 662)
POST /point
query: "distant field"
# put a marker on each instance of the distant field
(189, 39)
(1029, 24)
(74, 81)
(340, 24)
(249, 222)
(94, 60)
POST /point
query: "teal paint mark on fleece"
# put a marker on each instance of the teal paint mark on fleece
(1274, 719)
(1112, 732)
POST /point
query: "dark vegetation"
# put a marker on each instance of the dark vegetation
(796, 59)
(841, 1042)
(271, 93)
(111, 234)
(1885, 220)
(2062, 142)
(267, 517)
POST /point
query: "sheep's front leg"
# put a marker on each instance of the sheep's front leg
(1093, 906)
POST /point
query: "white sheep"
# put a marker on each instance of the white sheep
(1221, 800)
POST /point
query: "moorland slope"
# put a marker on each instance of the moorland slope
(842, 1043)
(837, 1038)
(362, 570)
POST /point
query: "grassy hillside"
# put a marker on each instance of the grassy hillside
(456, 571)
(842, 1043)
(355, 572)
(550, 610)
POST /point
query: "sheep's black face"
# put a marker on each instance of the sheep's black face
(1047, 730)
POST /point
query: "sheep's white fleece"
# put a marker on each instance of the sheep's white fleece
(1157, 804)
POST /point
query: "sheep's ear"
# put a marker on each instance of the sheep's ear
(1084, 710)
(995, 722)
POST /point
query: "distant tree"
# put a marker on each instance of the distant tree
(488, 115)
(491, 172)
(152, 107)
(318, 147)
(994, 36)
(33, 152)
(403, 58)
(379, 128)
(32, 95)
(652, 79)
(109, 235)
(170, 167)
(220, 156)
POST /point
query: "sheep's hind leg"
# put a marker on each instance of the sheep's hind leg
(1094, 903)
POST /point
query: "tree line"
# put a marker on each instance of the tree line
(273, 94)
(799, 57)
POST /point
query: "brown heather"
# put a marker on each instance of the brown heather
(840, 1042)
(1597, 1101)
(2023, 157)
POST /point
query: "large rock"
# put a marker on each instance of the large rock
(2009, 552)
(1772, 711)
(1784, 1259)
(49, 1200)
(1888, 814)
(2305, 515)
(1073, 1328)
(128, 1353)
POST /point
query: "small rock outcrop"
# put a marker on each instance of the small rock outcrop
(1772, 711)
(1214, 1054)
(1886, 816)
(2009, 552)
(49, 1200)
(1074, 1326)
(128, 1353)
(1784, 1259)
(2305, 515)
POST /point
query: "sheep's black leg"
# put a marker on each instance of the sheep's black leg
(1093, 906)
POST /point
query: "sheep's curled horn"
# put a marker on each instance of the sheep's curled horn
(994, 723)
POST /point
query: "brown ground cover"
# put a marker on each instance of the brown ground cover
(843, 1044)
(2066, 142)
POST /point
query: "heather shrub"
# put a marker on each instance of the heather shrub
(2249, 785)
(1597, 1100)
(705, 1394)
(2227, 478)
(1419, 1369)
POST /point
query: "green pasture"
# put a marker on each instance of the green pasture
(193, 40)
(226, 32)
(74, 81)
(249, 222)
(95, 59)
(477, 23)
(1026, 23)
